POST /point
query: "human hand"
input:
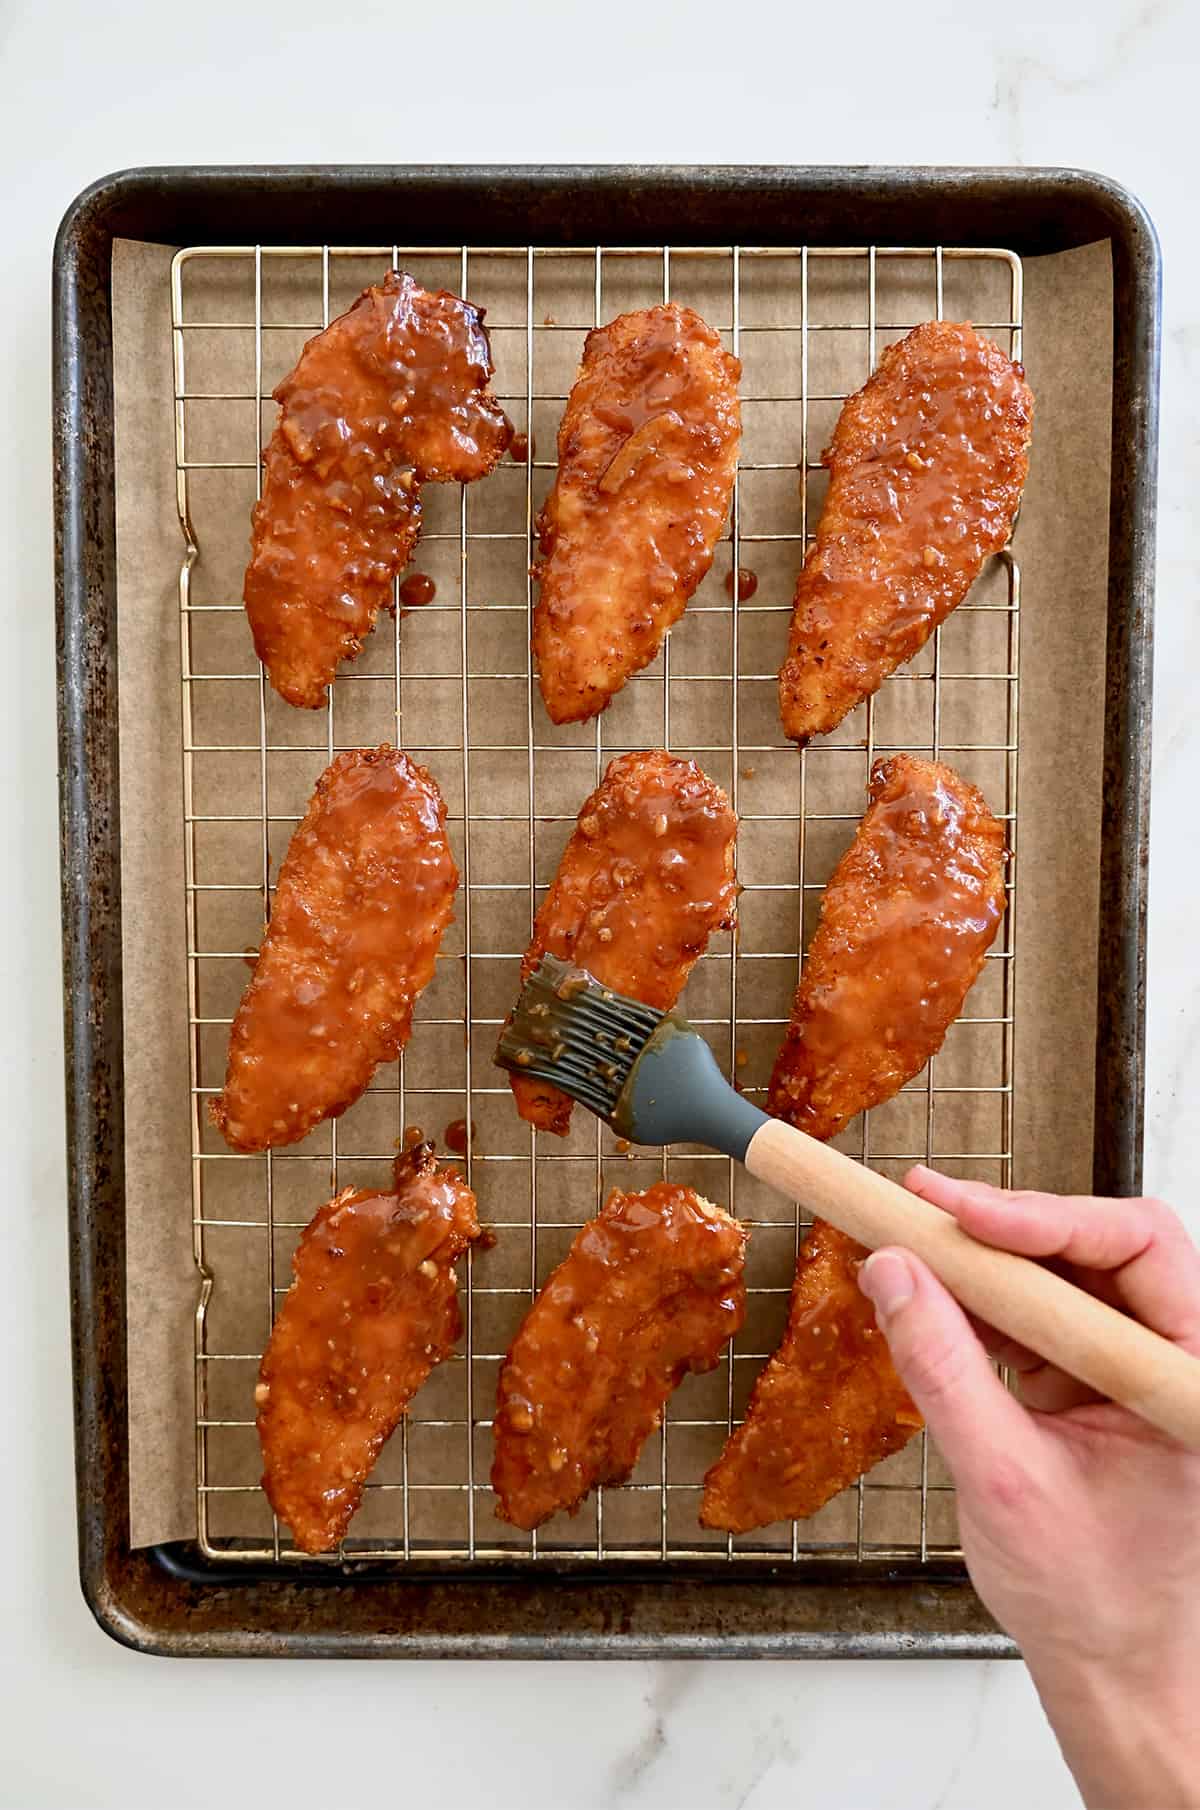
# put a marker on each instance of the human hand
(1080, 1524)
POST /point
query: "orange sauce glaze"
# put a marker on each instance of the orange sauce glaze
(365, 892)
(651, 1289)
(906, 922)
(644, 881)
(417, 590)
(747, 584)
(928, 462)
(827, 1406)
(393, 394)
(647, 453)
(372, 1308)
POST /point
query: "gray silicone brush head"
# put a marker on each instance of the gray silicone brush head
(677, 1094)
(649, 1074)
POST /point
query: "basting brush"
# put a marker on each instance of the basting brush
(653, 1078)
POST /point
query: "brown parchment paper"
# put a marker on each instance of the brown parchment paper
(1061, 547)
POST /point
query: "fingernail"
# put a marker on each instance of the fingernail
(886, 1280)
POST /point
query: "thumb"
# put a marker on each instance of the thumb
(970, 1413)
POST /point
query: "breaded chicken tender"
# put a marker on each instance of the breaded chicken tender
(907, 919)
(650, 1290)
(646, 878)
(392, 395)
(927, 464)
(906, 923)
(365, 892)
(827, 1407)
(372, 1308)
(647, 455)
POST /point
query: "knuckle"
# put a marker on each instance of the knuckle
(1165, 1229)
(1027, 1197)
(1162, 1217)
(1006, 1484)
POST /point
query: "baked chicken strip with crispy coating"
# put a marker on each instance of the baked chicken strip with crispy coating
(365, 892)
(645, 879)
(650, 1290)
(907, 919)
(372, 1308)
(827, 1407)
(927, 465)
(647, 455)
(906, 922)
(392, 395)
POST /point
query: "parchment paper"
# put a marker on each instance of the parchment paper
(1061, 547)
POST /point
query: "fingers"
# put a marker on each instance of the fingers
(944, 1367)
(1141, 1244)
(1049, 1390)
(1041, 1385)
(999, 1346)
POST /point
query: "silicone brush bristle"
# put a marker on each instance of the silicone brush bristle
(648, 1074)
(579, 1036)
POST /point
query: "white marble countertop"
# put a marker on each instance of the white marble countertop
(88, 89)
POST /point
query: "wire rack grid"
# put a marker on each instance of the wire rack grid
(809, 324)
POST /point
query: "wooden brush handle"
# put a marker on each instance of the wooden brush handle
(1119, 1357)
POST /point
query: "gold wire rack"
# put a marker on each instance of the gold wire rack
(453, 684)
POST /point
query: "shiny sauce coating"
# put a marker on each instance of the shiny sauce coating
(746, 583)
(647, 453)
(393, 394)
(928, 461)
(651, 1289)
(365, 892)
(416, 591)
(906, 922)
(828, 1405)
(645, 879)
(373, 1306)
(458, 1134)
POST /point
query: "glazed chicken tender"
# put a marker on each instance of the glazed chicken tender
(372, 1308)
(906, 922)
(927, 465)
(365, 892)
(905, 925)
(646, 878)
(827, 1407)
(393, 394)
(650, 1290)
(647, 455)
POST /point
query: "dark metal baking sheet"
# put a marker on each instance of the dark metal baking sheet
(166, 1599)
